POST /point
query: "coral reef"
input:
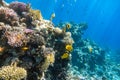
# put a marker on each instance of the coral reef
(16, 37)
(32, 48)
(89, 61)
(18, 7)
(12, 73)
(37, 47)
(8, 15)
(36, 14)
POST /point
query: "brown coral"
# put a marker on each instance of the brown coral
(36, 14)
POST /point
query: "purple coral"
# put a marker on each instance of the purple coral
(19, 7)
(8, 15)
(15, 39)
(28, 31)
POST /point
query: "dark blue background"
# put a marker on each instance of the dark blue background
(102, 16)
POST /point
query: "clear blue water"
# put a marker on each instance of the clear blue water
(102, 16)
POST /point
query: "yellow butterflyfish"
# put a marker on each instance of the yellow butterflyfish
(65, 56)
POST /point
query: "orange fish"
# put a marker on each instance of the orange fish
(1, 49)
(25, 48)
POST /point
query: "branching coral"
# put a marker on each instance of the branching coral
(12, 73)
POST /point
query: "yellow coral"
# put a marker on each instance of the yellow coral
(49, 59)
(65, 56)
(36, 14)
(69, 47)
(12, 73)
